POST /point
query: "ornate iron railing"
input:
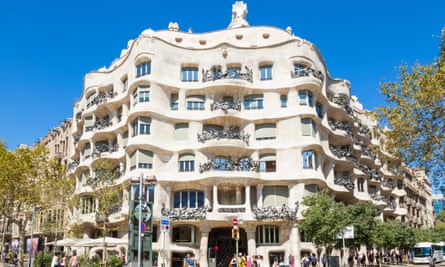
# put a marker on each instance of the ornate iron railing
(245, 164)
(346, 181)
(176, 214)
(209, 134)
(226, 105)
(306, 71)
(342, 125)
(276, 213)
(233, 74)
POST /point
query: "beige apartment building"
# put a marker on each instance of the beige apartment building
(240, 123)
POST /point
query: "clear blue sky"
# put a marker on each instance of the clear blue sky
(48, 46)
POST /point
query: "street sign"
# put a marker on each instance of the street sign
(165, 224)
(346, 233)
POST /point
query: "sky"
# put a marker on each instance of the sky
(47, 47)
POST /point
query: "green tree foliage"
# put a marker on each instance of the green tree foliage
(430, 234)
(415, 111)
(363, 218)
(26, 182)
(392, 234)
(323, 219)
(108, 194)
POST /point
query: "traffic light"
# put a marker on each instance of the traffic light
(235, 229)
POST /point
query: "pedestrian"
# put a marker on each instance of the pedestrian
(62, 261)
(305, 261)
(73, 260)
(55, 260)
(233, 262)
(275, 262)
(189, 261)
(241, 260)
(323, 260)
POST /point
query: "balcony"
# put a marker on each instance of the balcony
(226, 105)
(180, 214)
(209, 134)
(245, 164)
(388, 183)
(346, 181)
(231, 74)
(303, 71)
(100, 98)
(342, 152)
(342, 101)
(276, 213)
(341, 125)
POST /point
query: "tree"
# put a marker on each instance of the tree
(415, 112)
(363, 216)
(25, 183)
(324, 218)
(393, 234)
(108, 194)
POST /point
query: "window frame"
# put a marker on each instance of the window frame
(189, 74)
(143, 68)
(253, 102)
(266, 72)
(309, 159)
(267, 234)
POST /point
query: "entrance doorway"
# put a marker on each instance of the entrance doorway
(222, 246)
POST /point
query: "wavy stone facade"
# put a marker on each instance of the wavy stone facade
(242, 122)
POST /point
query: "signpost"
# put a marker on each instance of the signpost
(165, 227)
(345, 233)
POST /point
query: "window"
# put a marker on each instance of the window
(234, 72)
(275, 196)
(188, 199)
(360, 184)
(283, 100)
(268, 163)
(266, 72)
(148, 193)
(87, 150)
(307, 127)
(231, 194)
(89, 124)
(320, 110)
(300, 70)
(124, 84)
(87, 204)
(174, 105)
(181, 131)
(306, 98)
(141, 126)
(309, 161)
(267, 234)
(372, 190)
(222, 164)
(253, 102)
(142, 94)
(143, 68)
(183, 234)
(266, 131)
(187, 163)
(195, 102)
(312, 188)
(141, 159)
(189, 74)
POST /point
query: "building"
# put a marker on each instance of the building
(438, 203)
(236, 123)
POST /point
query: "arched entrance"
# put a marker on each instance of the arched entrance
(222, 246)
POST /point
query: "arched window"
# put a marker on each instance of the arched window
(187, 163)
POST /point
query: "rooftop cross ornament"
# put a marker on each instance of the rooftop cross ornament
(239, 12)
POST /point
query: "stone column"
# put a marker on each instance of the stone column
(247, 204)
(202, 257)
(251, 243)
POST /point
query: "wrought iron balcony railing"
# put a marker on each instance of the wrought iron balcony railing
(226, 105)
(306, 71)
(209, 134)
(342, 125)
(233, 74)
(100, 98)
(245, 164)
(276, 213)
(346, 181)
(177, 214)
